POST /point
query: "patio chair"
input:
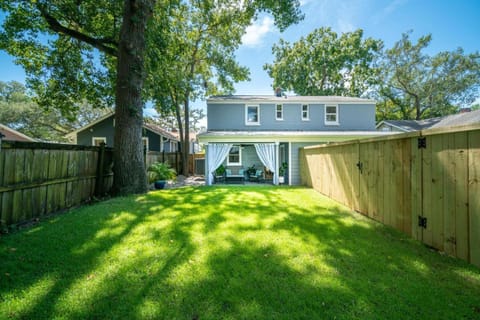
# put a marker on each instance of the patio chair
(257, 177)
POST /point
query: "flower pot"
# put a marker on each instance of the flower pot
(281, 179)
(159, 184)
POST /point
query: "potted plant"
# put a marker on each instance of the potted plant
(159, 173)
(281, 172)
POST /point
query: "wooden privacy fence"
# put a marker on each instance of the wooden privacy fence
(39, 178)
(174, 159)
(426, 184)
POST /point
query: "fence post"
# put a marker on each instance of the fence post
(100, 165)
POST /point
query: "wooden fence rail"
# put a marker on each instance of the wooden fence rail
(40, 178)
(426, 184)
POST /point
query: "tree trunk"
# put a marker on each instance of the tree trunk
(180, 130)
(186, 142)
(129, 166)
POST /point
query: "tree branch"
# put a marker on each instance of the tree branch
(100, 44)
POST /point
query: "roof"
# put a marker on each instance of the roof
(154, 128)
(459, 119)
(292, 136)
(283, 99)
(13, 135)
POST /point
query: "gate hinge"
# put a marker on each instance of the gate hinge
(422, 222)
(422, 143)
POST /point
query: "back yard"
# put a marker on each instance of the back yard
(227, 253)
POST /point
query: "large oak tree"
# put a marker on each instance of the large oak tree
(324, 63)
(75, 50)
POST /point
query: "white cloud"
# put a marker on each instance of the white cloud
(256, 32)
(391, 7)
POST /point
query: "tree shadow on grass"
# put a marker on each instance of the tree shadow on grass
(228, 253)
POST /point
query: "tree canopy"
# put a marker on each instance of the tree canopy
(323, 63)
(420, 86)
(20, 112)
(76, 51)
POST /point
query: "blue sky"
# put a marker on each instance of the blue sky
(452, 23)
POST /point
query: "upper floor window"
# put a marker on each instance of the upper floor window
(96, 141)
(279, 112)
(331, 114)
(305, 112)
(252, 115)
(234, 156)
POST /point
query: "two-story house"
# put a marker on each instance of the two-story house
(268, 131)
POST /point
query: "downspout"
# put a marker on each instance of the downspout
(207, 174)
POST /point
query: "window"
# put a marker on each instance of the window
(145, 143)
(252, 115)
(96, 141)
(235, 156)
(305, 112)
(279, 112)
(173, 146)
(331, 114)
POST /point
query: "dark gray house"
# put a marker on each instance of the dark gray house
(268, 131)
(460, 119)
(102, 130)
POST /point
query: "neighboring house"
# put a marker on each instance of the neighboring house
(102, 130)
(193, 145)
(10, 134)
(267, 131)
(460, 119)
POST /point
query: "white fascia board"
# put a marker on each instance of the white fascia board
(288, 138)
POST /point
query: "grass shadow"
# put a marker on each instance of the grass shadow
(227, 253)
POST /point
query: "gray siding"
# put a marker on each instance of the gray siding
(249, 158)
(101, 129)
(226, 117)
(105, 129)
(295, 165)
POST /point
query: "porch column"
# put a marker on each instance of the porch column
(277, 159)
(207, 181)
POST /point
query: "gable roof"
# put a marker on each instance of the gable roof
(13, 135)
(459, 119)
(290, 99)
(154, 128)
(160, 131)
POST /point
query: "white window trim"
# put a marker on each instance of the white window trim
(104, 139)
(146, 143)
(247, 123)
(331, 123)
(308, 112)
(239, 157)
(276, 112)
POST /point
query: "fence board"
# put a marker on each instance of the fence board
(460, 187)
(449, 198)
(401, 182)
(38, 178)
(416, 188)
(473, 196)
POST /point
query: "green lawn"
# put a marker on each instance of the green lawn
(227, 253)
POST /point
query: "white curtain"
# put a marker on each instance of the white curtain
(266, 153)
(216, 154)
